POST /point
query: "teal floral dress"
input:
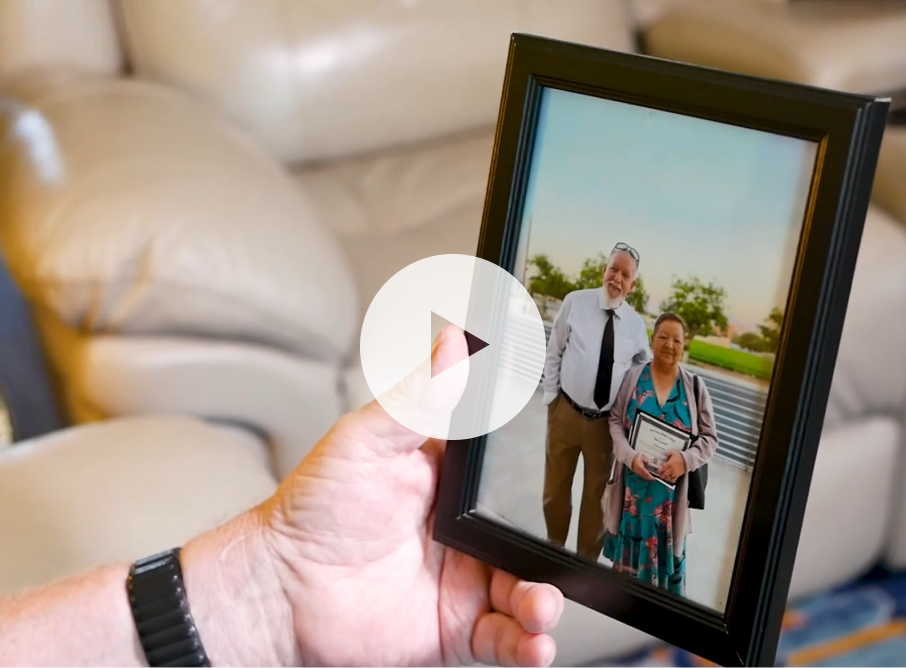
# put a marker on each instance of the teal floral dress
(644, 547)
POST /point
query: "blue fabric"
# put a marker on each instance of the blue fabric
(644, 547)
(675, 410)
(25, 385)
(860, 624)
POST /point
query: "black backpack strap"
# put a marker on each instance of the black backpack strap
(696, 390)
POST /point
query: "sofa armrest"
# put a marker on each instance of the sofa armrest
(853, 493)
(868, 377)
(292, 401)
(129, 208)
(116, 491)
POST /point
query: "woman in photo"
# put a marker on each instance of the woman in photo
(645, 521)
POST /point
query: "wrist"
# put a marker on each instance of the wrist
(235, 596)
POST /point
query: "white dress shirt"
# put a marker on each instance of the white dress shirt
(571, 363)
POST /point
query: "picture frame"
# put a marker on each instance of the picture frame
(846, 130)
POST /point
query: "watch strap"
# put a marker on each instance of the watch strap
(160, 609)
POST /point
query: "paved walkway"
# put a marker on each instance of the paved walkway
(511, 487)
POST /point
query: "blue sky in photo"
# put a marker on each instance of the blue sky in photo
(694, 197)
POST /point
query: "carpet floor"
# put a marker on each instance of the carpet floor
(861, 624)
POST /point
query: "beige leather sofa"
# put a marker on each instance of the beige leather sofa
(200, 200)
(852, 45)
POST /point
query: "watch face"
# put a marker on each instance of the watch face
(6, 421)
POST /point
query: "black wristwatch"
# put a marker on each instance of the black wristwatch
(160, 608)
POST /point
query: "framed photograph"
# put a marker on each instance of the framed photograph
(689, 238)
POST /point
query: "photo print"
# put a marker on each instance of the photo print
(659, 249)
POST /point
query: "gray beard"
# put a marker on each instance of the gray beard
(611, 303)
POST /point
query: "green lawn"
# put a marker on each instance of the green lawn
(734, 360)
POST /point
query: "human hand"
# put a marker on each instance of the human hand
(673, 467)
(638, 467)
(350, 531)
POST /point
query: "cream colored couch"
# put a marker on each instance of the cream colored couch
(852, 45)
(200, 200)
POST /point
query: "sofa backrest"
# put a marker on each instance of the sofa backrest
(309, 79)
(75, 35)
(319, 79)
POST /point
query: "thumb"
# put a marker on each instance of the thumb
(421, 404)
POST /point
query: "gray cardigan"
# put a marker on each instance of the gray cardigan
(701, 412)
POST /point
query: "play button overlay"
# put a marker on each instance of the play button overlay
(488, 381)
(473, 343)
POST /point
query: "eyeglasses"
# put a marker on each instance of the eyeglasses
(629, 249)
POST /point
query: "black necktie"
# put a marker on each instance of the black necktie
(605, 363)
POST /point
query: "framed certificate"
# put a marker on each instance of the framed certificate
(654, 439)
(716, 218)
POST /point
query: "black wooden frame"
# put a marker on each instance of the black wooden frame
(848, 129)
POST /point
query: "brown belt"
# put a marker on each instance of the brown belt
(584, 412)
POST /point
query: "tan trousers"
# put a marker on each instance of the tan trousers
(568, 435)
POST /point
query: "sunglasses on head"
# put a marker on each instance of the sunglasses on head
(629, 249)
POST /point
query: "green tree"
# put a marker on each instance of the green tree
(637, 297)
(750, 341)
(591, 276)
(591, 273)
(550, 280)
(770, 331)
(700, 305)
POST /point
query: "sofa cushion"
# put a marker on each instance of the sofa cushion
(290, 402)
(889, 190)
(126, 207)
(395, 208)
(852, 45)
(400, 206)
(866, 377)
(70, 499)
(321, 79)
(78, 35)
(852, 499)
